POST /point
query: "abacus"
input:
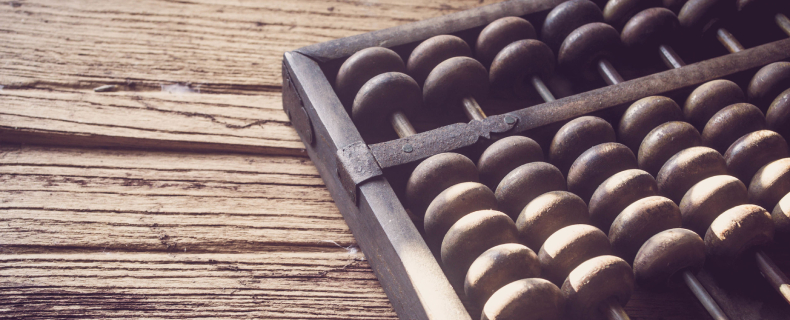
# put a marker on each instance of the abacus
(548, 159)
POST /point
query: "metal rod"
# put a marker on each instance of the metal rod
(783, 22)
(401, 124)
(670, 57)
(728, 40)
(608, 72)
(771, 272)
(613, 310)
(543, 91)
(472, 109)
(702, 295)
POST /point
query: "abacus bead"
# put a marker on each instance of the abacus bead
(652, 26)
(686, 168)
(577, 136)
(695, 14)
(709, 98)
(781, 215)
(500, 33)
(778, 116)
(548, 213)
(707, 199)
(770, 183)
(666, 254)
(381, 96)
(454, 79)
(737, 230)
(731, 123)
(565, 18)
(525, 183)
(643, 116)
(595, 281)
(616, 193)
(618, 12)
(568, 247)
(428, 54)
(435, 174)
(505, 155)
(525, 299)
(665, 141)
(363, 66)
(497, 267)
(640, 221)
(451, 205)
(754, 150)
(472, 235)
(585, 46)
(519, 61)
(768, 83)
(596, 165)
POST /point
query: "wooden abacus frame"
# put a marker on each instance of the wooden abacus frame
(353, 170)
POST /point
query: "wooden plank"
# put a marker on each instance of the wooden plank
(112, 233)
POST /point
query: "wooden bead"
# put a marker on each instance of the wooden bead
(504, 155)
(596, 165)
(640, 221)
(430, 53)
(781, 215)
(575, 137)
(361, 67)
(526, 299)
(380, 97)
(496, 268)
(686, 168)
(666, 254)
(709, 98)
(770, 183)
(525, 183)
(585, 46)
(500, 33)
(595, 281)
(665, 141)
(568, 247)
(707, 199)
(548, 213)
(778, 116)
(737, 230)
(731, 123)
(650, 27)
(451, 205)
(645, 115)
(618, 12)
(616, 193)
(768, 83)
(754, 150)
(469, 237)
(695, 14)
(454, 79)
(435, 174)
(519, 61)
(565, 18)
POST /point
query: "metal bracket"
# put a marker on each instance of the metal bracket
(294, 108)
(355, 165)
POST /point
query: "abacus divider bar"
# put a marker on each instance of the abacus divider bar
(783, 22)
(608, 72)
(542, 89)
(702, 295)
(771, 272)
(613, 310)
(670, 57)
(472, 109)
(401, 124)
(728, 40)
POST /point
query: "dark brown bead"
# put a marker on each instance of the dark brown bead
(754, 150)
(500, 33)
(709, 98)
(519, 61)
(496, 268)
(781, 215)
(665, 141)
(778, 116)
(735, 231)
(650, 27)
(686, 168)
(595, 281)
(548, 213)
(640, 221)
(645, 115)
(451, 205)
(361, 67)
(696, 14)
(616, 193)
(707, 199)
(455, 79)
(667, 254)
(585, 46)
(596, 165)
(577, 136)
(505, 155)
(770, 183)
(768, 83)
(435, 174)
(526, 299)
(383, 95)
(618, 12)
(430, 53)
(565, 18)
(568, 247)
(731, 123)
(525, 183)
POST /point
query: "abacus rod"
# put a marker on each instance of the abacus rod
(613, 310)
(771, 272)
(472, 109)
(702, 295)
(670, 57)
(543, 91)
(401, 124)
(608, 72)
(728, 40)
(783, 22)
